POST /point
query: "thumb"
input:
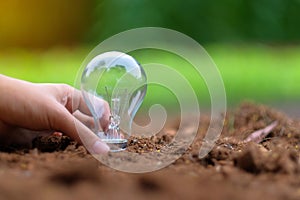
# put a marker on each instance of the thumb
(75, 129)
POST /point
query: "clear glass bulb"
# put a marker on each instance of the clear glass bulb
(118, 79)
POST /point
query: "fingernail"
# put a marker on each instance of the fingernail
(100, 147)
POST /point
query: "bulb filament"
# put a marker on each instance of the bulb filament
(113, 131)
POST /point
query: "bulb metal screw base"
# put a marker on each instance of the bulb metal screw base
(115, 144)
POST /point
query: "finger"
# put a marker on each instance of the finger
(76, 102)
(85, 119)
(68, 96)
(104, 120)
(100, 107)
(72, 127)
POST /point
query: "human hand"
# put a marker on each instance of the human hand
(40, 108)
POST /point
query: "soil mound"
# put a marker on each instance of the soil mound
(58, 168)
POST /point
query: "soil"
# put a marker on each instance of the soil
(58, 168)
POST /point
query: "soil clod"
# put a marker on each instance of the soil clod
(51, 143)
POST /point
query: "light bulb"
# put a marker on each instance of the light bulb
(118, 79)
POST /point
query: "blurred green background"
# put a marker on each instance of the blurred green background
(254, 43)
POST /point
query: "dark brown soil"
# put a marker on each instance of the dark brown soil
(58, 168)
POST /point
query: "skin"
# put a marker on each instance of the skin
(28, 110)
